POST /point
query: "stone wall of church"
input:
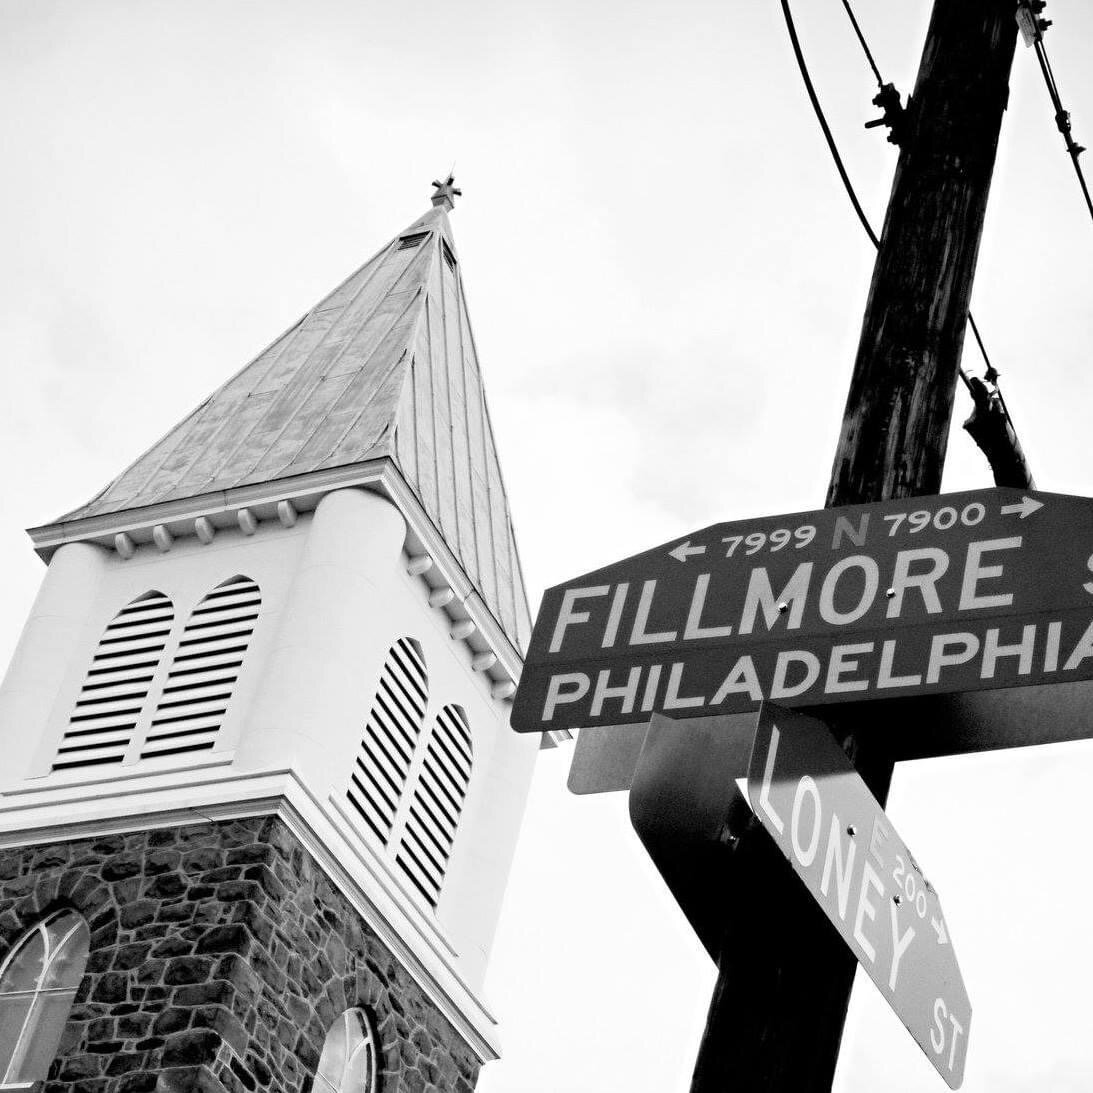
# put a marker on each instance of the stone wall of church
(220, 956)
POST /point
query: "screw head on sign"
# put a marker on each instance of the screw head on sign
(783, 607)
(890, 593)
(897, 899)
(851, 830)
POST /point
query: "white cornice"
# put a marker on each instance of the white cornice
(159, 526)
(304, 491)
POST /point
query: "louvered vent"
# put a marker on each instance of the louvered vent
(390, 738)
(409, 241)
(113, 695)
(203, 673)
(441, 789)
(449, 257)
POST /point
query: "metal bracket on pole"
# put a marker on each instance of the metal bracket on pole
(687, 811)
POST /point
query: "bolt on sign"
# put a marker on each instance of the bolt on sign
(941, 594)
(838, 840)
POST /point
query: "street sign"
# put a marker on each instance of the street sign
(838, 840)
(944, 594)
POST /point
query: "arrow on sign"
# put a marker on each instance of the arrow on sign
(939, 929)
(1025, 507)
(685, 550)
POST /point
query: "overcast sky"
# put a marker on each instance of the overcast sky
(666, 285)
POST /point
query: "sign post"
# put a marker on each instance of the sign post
(837, 839)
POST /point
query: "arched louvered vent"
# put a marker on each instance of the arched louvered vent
(441, 789)
(111, 700)
(390, 738)
(205, 668)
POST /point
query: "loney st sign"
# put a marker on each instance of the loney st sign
(838, 840)
(957, 592)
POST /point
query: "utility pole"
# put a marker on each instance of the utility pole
(784, 975)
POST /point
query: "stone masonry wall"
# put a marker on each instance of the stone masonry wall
(220, 956)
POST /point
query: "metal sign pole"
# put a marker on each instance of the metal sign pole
(784, 974)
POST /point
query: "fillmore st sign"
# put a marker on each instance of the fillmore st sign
(951, 593)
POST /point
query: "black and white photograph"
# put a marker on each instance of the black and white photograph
(546, 548)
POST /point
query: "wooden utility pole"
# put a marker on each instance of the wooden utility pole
(784, 975)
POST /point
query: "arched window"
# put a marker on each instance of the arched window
(111, 701)
(348, 1063)
(390, 738)
(441, 789)
(204, 670)
(38, 981)
(409, 784)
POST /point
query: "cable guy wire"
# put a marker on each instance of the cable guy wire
(991, 373)
(864, 43)
(821, 118)
(1033, 29)
(833, 148)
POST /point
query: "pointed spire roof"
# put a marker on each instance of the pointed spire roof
(384, 366)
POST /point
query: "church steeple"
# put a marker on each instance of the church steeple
(383, 368)
(255, 734)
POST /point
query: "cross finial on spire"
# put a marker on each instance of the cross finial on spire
(446, 192)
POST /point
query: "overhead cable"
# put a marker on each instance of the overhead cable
(833, 148)
(1032, 29)
(822, 119)
(864, 43)
(895, 123)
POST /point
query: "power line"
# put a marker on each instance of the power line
(833, 148)
(1032, 28)
(864, 43)
(822, 119)
(889, 100)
